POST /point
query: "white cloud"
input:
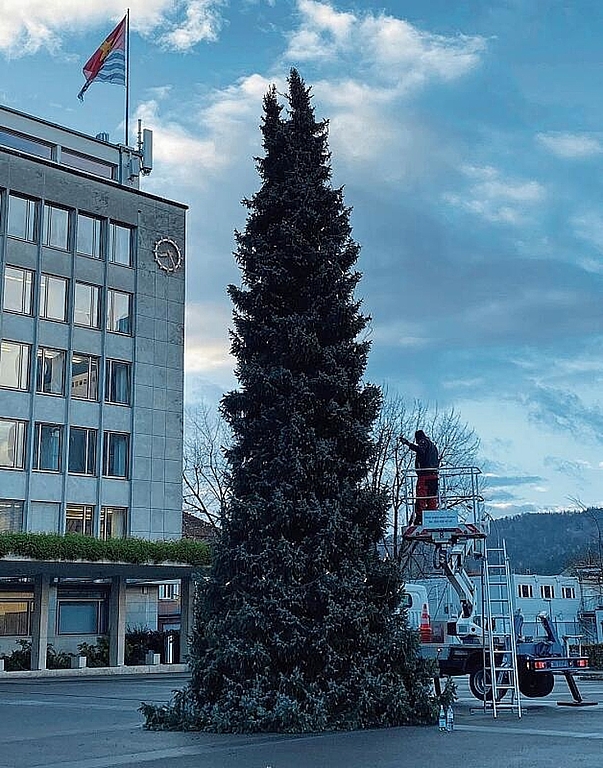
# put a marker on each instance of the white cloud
(497, 199)
(570, 145)
(225, 130)
(390, 48)
(206, 339)
(391, 60)
(202, 22)
(589, 227)
(29, 25)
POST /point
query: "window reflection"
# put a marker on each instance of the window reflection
(47, 455)
(53, 298)
(50, 371)
(84, 377)
(22, 218)
(14, 365)
(12, 443)
(18, 285)
(119, 312)
(86, 310)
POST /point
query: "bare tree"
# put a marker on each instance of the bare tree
(205, 474)
(457, 444)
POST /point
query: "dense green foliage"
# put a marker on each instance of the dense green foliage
(297, 630)
(72, 546)
(548, 543)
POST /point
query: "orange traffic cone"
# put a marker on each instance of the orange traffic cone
(425, 625)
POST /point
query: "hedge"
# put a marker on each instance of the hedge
(74, 546)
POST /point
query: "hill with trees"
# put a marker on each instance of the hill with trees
(548, 543)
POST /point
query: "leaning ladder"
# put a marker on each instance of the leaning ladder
(500, 641)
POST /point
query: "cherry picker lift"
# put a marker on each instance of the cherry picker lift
(484, 641)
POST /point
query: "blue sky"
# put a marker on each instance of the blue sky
(469, 140)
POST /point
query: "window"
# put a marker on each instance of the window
(25, 144)
(115, 455)
(11, 515)
(53, 298)
(547, 591)
(81, 617)
(85, 163)
(86, 310)
(22, 218)
(169, 591)
(88, 235)
(525, 590)
(15, 614)
(119, 307)
(78, 519)
(50, 371)
(56, 227)
(568, 593)
(14, 365)
(18, 290)
(12, 443)
(120, 251)
(84, 377)
(113, 522)
(117, 384)
(82, 451)
(47, 454)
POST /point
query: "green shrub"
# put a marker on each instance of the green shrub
(73, 546)
(96, 655)
(20, 659)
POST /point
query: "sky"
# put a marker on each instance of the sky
(468, 137)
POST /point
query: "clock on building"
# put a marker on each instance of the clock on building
(167, 254)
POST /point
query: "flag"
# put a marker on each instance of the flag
(108, 63)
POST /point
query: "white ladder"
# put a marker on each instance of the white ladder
(500, 641)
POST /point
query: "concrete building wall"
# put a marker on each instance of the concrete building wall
(152, 493)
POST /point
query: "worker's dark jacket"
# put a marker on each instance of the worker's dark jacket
(427, 456)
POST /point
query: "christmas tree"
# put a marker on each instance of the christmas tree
(296, 628)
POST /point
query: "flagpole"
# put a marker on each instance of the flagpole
(127, 73)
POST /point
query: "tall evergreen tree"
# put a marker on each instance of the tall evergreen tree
(297, 630)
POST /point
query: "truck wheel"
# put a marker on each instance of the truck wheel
(535, 685)
(476, 684)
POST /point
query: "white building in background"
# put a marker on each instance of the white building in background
(559, 596)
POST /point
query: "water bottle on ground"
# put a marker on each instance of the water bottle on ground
(442, 719)
(450, 719)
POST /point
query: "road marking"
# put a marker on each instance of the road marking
(62, 704)
(529, 731)
(257, 741)
(72, 732)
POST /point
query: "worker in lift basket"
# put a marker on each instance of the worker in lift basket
(427, 462)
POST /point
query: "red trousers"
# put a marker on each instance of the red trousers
(426, 495)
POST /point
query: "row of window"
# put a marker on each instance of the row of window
(68, 157)
(79, 518)
(53, 303)
(58, 227)
(74, 617)
(50, 378)
(48, 449)
(547, 591)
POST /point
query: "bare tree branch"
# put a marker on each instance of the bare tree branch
(205, 475)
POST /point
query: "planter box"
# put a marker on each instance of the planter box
(78, 662)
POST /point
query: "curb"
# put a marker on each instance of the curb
(143, 669)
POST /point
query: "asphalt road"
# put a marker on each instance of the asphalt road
(93, 723)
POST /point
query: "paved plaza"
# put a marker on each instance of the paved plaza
(94, 723)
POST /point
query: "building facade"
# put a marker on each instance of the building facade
(91, 359)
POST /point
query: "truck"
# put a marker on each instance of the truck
(484, 641)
